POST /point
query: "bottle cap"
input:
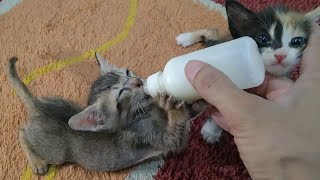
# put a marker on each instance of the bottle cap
(152, 84)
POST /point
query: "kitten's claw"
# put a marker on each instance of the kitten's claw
(173, 103)
(169, 102)
(180, 105)
(160, 98)
(185, 39)
(211, 132)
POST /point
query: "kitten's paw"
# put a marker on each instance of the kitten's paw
(173, 103)
(39, 167)
(185, 39)
(211, 132)
(168, 102)
(199, 105)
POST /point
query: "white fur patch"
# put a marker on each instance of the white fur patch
(211, 132)
(271, 31)
(186, 39)
(213, 6)
(190, 38)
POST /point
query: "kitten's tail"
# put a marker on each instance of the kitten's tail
(20, 88)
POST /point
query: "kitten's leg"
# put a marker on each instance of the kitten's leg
(211, 132)
(209, 42)
(174, 137)
(202, 35)
(38, 165)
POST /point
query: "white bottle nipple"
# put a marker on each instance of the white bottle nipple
(153, 84)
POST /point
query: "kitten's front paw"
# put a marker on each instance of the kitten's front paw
(169, 103)
(40, 167)
(199, 105)
(185, 39)
(211, 132)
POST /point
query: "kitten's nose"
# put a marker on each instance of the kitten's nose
(136, 82)
(280, 58)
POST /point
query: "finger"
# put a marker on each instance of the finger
(278, 88)
(273, 87)
(215, 87)
(310, 64)
(218, 118)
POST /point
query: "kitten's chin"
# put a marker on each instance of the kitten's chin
(141, 96)
(278, 70)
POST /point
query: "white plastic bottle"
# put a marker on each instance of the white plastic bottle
(239, 59)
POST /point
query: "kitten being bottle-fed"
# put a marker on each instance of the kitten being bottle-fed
(239, 59)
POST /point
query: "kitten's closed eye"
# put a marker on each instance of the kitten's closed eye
(121, 92)
(128, 72)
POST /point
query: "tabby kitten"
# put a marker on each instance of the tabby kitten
(281, 34)
(121, 127)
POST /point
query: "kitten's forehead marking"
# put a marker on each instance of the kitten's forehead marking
(293, 26)
(271, 31)
(293, 19)
(294, 22)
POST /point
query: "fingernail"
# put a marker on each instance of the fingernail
(192, 68)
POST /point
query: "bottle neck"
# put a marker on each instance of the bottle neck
(154, 84)
(161, 84)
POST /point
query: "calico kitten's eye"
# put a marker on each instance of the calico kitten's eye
(297, 42)
(128, 72)
(264, 39)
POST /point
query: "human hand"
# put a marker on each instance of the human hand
(277, 137)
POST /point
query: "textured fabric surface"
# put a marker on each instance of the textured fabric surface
(55, 43)
(204, 161)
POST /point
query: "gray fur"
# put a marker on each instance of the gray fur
(141, 127)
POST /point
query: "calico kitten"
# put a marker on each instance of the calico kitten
(121, 127)
(280, 33)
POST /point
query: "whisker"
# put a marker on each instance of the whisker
(139, 111)
(140, 102)
(264, 14)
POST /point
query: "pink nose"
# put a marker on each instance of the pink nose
(280, 58)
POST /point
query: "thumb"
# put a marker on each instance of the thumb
(216, 88)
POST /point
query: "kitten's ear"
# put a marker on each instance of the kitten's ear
(314, 15)
(104, 65)
(89, 119)
(239, 18)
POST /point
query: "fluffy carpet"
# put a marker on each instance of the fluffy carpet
(55, 42)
